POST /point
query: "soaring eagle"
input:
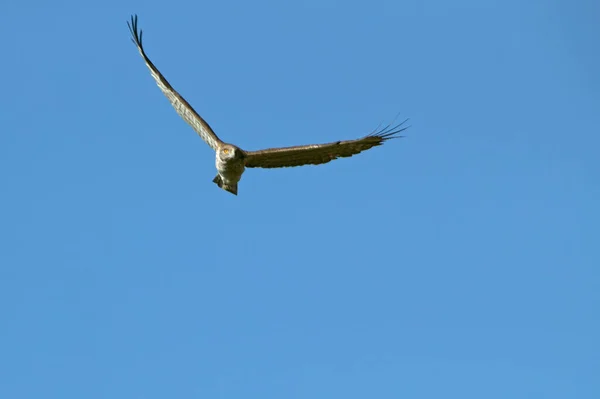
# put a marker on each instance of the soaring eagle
(231, 160)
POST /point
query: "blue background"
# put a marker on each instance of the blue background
(460, 261)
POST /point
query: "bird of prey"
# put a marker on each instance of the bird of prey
(231, 160)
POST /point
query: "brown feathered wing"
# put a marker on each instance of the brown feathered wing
(316, 154)
(183, 108)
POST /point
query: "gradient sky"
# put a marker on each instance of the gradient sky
(459, 262)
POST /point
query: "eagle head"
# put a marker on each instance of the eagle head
(228, 152)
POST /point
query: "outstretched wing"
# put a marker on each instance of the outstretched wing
(319, 153)
(183, 108)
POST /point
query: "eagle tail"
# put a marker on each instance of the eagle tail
(232, 188)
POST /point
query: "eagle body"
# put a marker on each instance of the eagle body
(231, 161)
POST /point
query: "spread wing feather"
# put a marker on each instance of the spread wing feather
(183, 108)
(316, 154)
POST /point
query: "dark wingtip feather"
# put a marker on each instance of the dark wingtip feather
(390, 131)
(136, 36)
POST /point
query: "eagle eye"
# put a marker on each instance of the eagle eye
(226, 151)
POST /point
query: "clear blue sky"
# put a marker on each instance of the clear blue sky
(459, 262)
